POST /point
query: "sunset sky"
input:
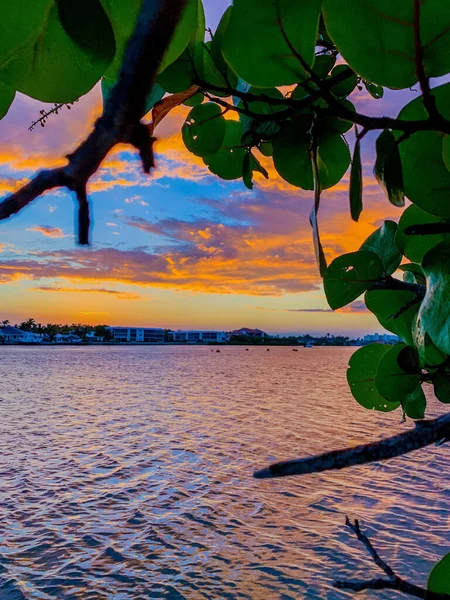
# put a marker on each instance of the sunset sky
(178, 249)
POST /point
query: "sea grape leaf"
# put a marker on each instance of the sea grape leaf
(388, 168)
(441, 385)
(228, 161)
(123, 16)
(204, 129)
(415, 404)
(6, 97)
(398, 373)
(178, 76)
(386, 304)
(349, 276)
(376, 91)
(266, 148)
(377, 38)
(269, 60)
(446, 151)
(361, 373)
(292, 156)
(61, 62)
(356, 183)
(249, 166)
(439, 579)
(415, 270)
(323, 64)
(429, 355)
(415, 247)
(426, 178)
(345, 87)
(381, 241)
(435, 310)
(195, 100)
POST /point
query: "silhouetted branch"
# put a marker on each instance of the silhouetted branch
(120, 121)
(394, 582)
(425, 433)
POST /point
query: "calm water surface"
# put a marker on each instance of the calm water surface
(127, 473)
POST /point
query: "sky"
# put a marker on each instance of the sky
(180, 248)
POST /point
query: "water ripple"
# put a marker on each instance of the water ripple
(127, 473)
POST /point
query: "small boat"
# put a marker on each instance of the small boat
(246, 349)
(217, 350)
(294, 349)
(268, 349)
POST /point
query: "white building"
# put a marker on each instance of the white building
(67, 338)
(11, 334)
(382, 338)
(152, 335)
(196, 337)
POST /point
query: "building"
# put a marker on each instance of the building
(153, 335)
(67, 338)
(382, 338)
(11, 334)
(92, 337)
(198, 337)
(253, 333)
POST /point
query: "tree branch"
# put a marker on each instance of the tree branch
(394, 582)
(424, 434)
(120, 121)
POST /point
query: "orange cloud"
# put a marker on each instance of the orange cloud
(49, 231)
(117, 294)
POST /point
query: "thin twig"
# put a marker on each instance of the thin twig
(120, 121)
(394, 582)
(424, 434)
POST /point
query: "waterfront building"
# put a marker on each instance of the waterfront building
(67, 338)
(152, 335)
(253, 333)
(382, 338)
(198, 337)
(11, 334)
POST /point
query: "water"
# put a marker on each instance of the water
(127, 473)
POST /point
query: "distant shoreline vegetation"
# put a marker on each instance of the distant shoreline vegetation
(30, 332)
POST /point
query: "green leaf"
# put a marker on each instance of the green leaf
(123, 16)
(345, 87)
(249, 166)
(6, 97)
(438, 579)
(363, 366)
(266, 148)
(415, 404)
(388, 168)
(68, 51)
(446, 151)
(227, 163)
(349, 276)
(415, 270)
(292, 156)
(155, 95)
(196, 100)
(441, 384)
(269, 60)
(204, 129)
(398, 373)
(385, 304)
(435, 310)
(429, 355)
(260, 107)
(178, 76)
(356, 183)
(426, 178)
(415, 247)
(376, 91)
(377, 38)
(323, 64)
(381, 241)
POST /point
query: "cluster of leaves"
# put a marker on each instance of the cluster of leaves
(415, 309)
